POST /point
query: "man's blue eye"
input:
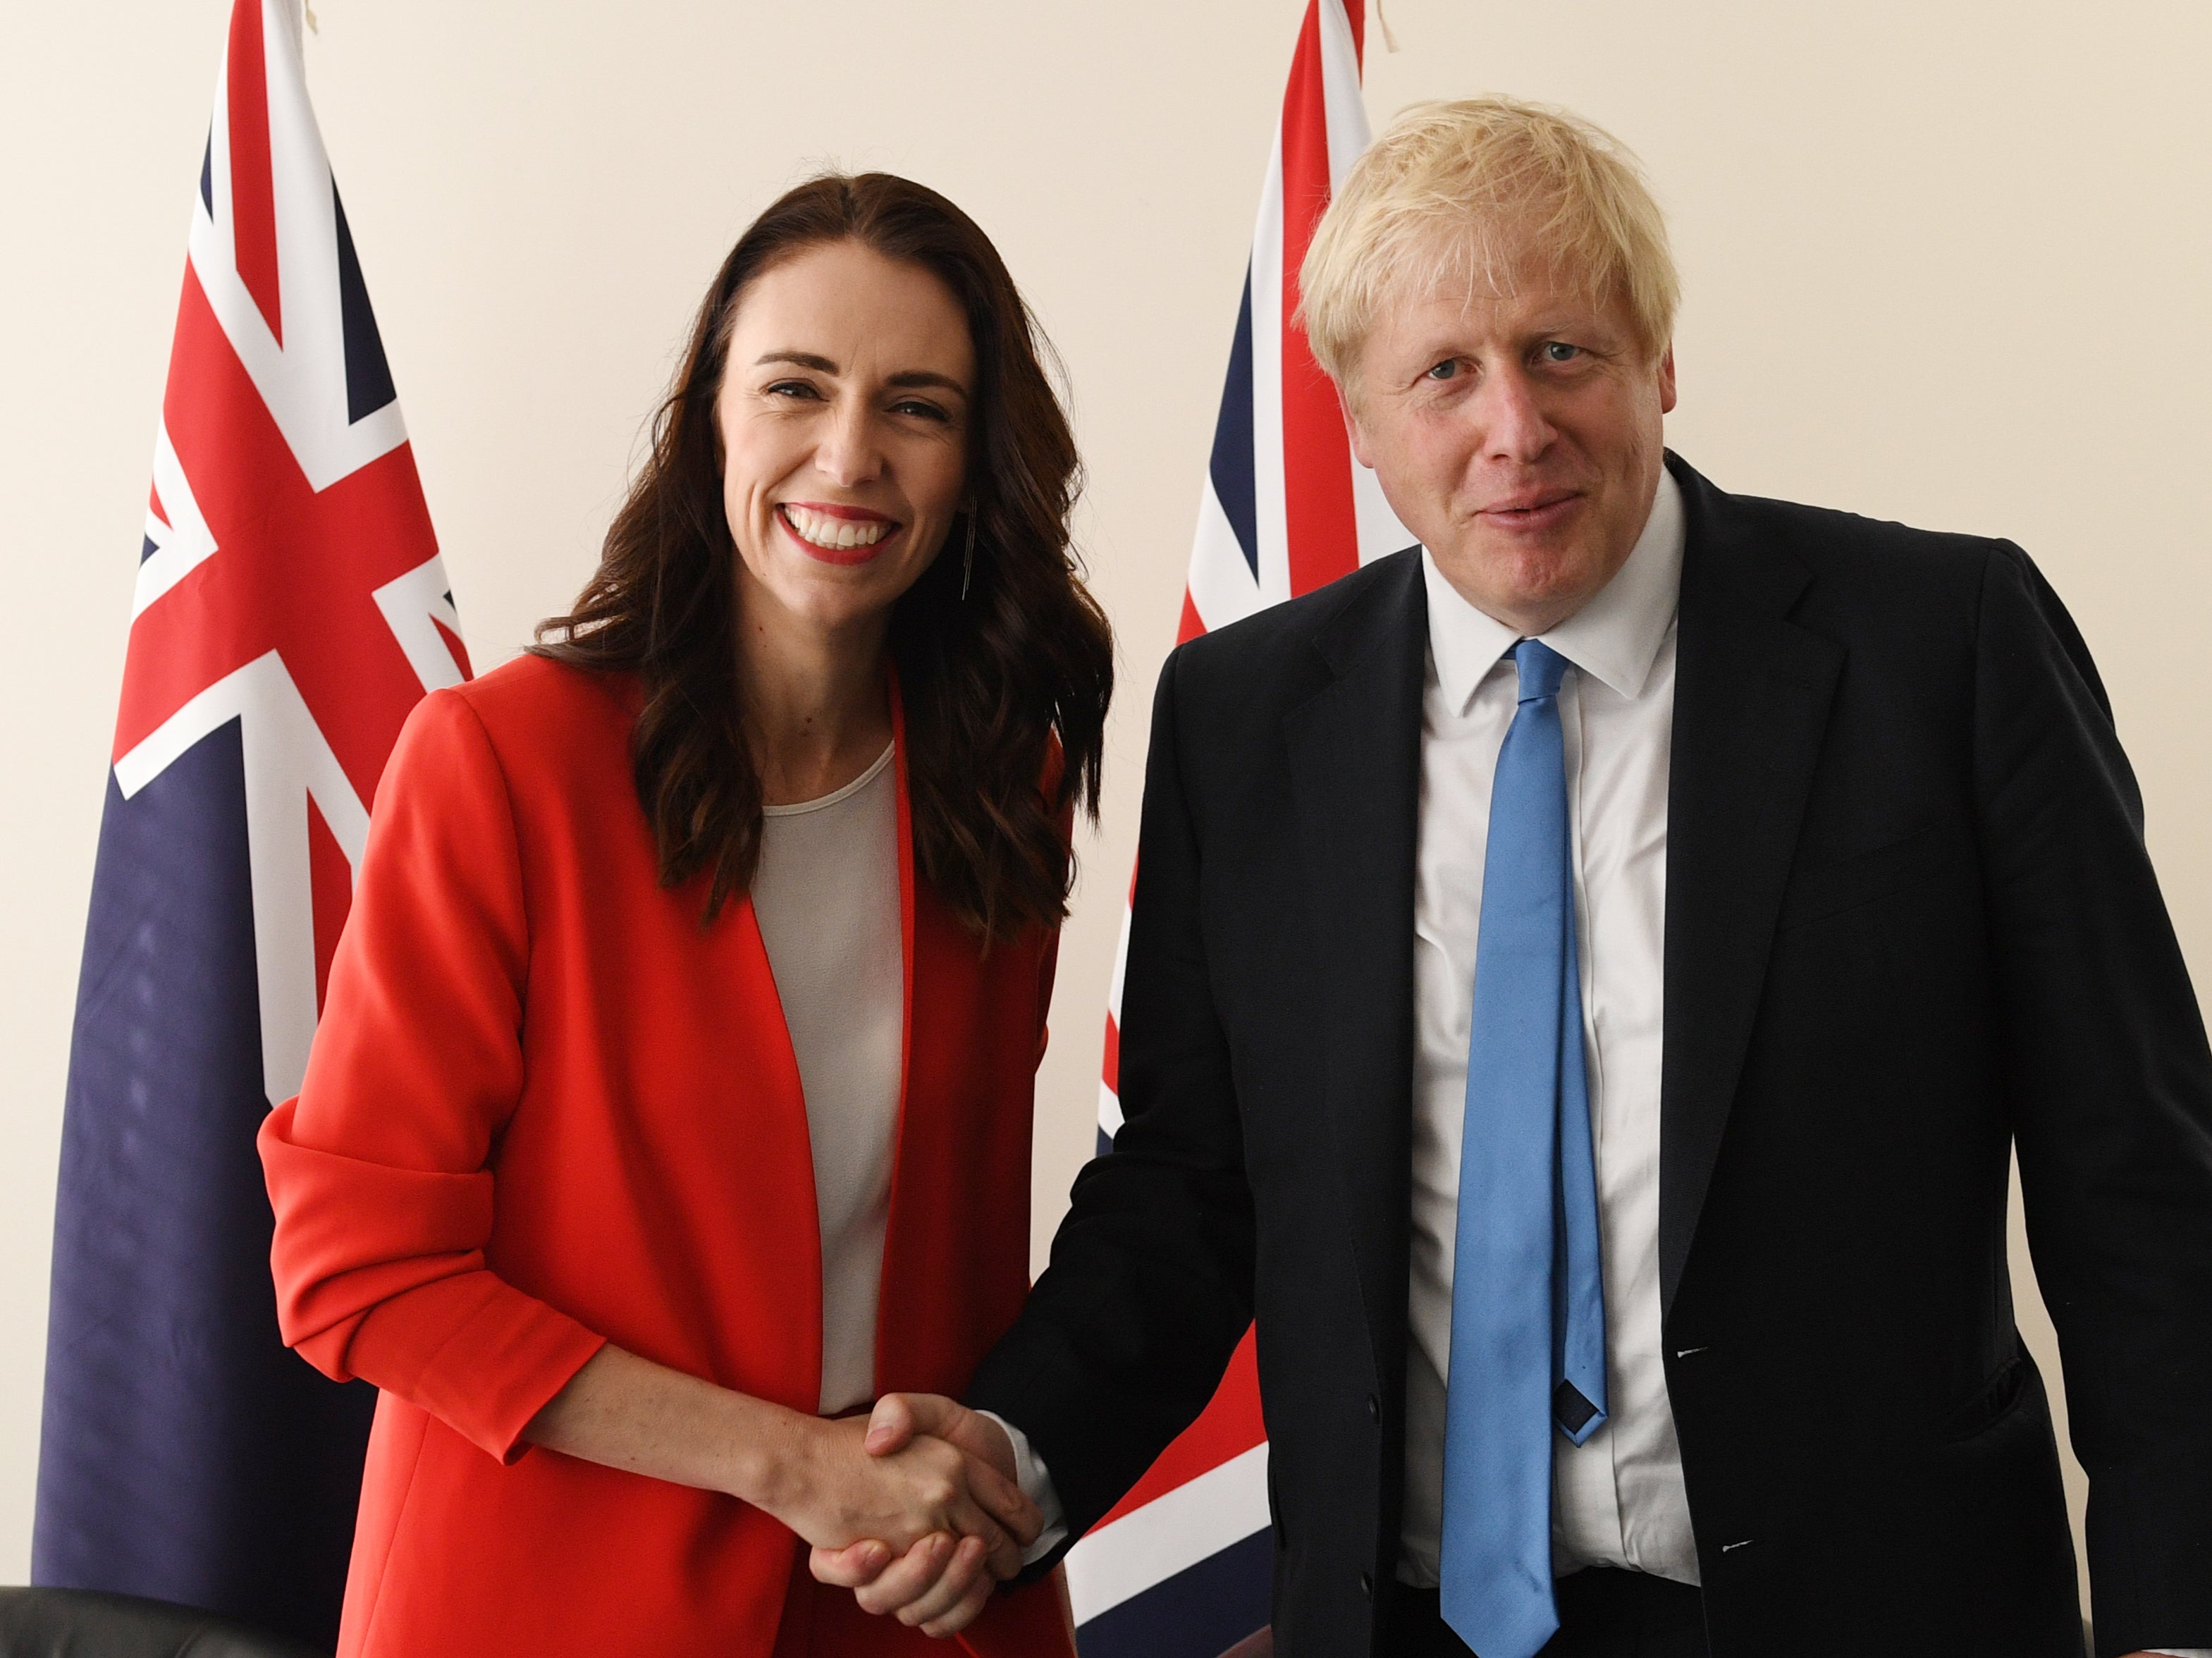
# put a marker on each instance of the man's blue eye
(1561, 351)
(1448, 369)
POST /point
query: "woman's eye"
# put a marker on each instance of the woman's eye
(1446, 370)
(925, 410)
(794, 389)
(1559, 351)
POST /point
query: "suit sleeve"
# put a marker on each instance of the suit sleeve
(378, 1171)
(2111, 1090)
(1150, 1286)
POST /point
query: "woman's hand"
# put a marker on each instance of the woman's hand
(834, 1493)
(911, 1497)
(934, 1586)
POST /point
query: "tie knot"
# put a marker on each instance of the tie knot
(1542, 669)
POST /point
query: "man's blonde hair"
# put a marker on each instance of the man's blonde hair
(1455, 191)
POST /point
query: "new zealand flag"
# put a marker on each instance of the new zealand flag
(290, 610)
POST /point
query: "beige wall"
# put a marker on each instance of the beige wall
(1948, 264)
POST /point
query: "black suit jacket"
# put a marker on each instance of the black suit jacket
(1910, 925)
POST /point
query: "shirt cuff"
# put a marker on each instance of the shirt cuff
(2164, 1652)
(1036, 1481)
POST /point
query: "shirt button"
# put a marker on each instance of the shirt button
(1374, 1408)
(1367, 1586)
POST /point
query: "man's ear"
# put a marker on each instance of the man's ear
(1351, 430)
(1666, 381)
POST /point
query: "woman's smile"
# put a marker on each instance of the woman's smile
(837, 534)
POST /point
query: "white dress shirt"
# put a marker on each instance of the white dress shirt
(1617, 1497)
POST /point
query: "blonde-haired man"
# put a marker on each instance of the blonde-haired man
(1588, 974)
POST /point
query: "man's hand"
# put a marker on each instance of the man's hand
(937, 1585)
(911, 1494)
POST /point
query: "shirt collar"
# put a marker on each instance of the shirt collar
(1615, 638)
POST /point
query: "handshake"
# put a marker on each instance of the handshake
(915, 1508)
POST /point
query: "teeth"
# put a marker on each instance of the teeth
(835, 534)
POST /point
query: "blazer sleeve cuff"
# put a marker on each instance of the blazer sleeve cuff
(2150, 1553)
(495, 1355)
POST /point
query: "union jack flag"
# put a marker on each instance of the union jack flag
(290, 610)
(1182, 1567)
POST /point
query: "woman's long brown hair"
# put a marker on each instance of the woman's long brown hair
(987, 681)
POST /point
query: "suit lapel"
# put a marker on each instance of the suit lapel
(1752, 695)
(1355, 770)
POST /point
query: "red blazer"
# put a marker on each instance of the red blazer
(547, 1109)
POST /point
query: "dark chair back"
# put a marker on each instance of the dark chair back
(85, 1623)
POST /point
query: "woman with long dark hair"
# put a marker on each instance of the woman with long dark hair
(672, 1099)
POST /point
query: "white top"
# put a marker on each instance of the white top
(1617, 1499)
(826, 895)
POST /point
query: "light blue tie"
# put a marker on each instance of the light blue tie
(1528, 1338)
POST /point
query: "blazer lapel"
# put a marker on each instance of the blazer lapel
(1355, 771)
(1752, 695)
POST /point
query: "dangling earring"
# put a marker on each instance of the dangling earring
(968, 557)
